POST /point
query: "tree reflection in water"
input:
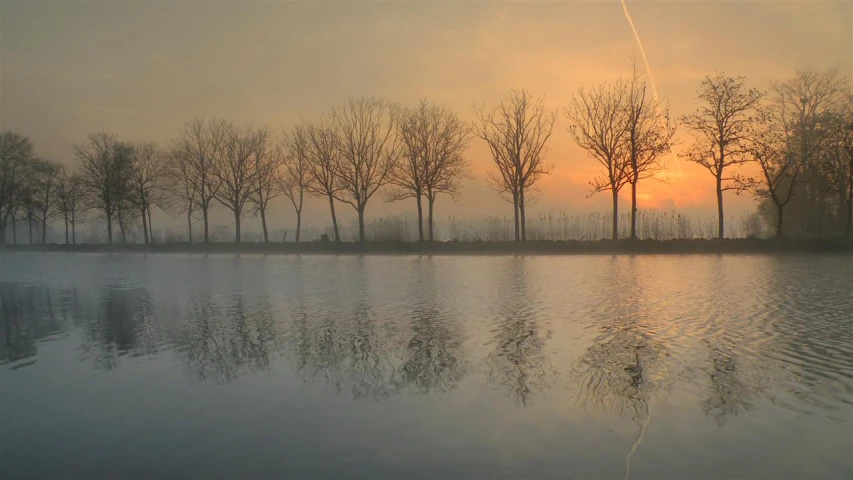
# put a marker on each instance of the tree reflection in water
(433, 355)
(220, 342)
(624, 365)
(519, 363)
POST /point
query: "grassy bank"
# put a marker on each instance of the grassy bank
(693, 246)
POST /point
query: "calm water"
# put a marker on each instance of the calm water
(168, 366)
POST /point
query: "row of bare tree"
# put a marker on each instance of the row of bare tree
(798, 137)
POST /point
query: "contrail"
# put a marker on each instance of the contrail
(649, 71)
(642, 51)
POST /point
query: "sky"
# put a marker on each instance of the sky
(141, 69)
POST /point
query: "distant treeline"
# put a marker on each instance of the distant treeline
(798, 137)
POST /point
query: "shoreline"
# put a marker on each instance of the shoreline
(579, 247)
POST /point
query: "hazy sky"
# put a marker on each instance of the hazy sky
(140, 69)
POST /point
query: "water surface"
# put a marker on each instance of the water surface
(223, 366)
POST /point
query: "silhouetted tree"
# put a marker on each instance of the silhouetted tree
(295, 178)
(105, 170)
(70, 202)
(234, 171)
(149, 172)
(433, 140)
(16, 157)
(598, 125)
(43, 180)
(196, 152)
(648, 138)
(770, 148)
(517, 133)
(720, 127)
(368, 151)
(266, 159)
(837, 163)
(324, 159)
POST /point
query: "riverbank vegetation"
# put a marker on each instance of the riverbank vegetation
(797, 137)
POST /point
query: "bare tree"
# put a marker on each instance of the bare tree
(838, 163)
(149, 174)
(105, 171)
(772, 150)
(16, 157)
(43, 192)
(648, 138)
(323, 164)
(368, 151)
(234, 170)
(598, 125)
(720, 127)
(517, 133)
(182, 184)
(266, 161)
(295, 178)
(197, 150)
(70, 202)
(433, 140)
(800, 109)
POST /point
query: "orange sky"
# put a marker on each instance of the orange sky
(140, 69)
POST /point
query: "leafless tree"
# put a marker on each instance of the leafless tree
(598, 125)
(43, 180)
(648, 138)
(266, 165)
(70, 202)
(234, 170)
(182, 185)
(16, 157)
(196, 151)
(772, 149)
(433, 140)
(149, 176)
(368, 151)
(517, 133)
(323, 164)
(720, 127)
(837, 164)
(105, 170)
(295, 177)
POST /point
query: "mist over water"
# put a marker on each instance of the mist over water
(249, 366)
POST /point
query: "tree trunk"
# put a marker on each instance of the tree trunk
(614, 234)
(721, 233)
(431, 201)
(15, 231)
(779, 218)
(521, 215)
(2, 231)
(849, 224)
(517, 236)
(634, 207)
(236, 226)
(44, 229)
(144, 227)
(361, 236)
(109, 230)
(190, 225)
(73, 233)
(206, 226)
(264, 225)
(299, 216)
(150, 227)
(334, 219)
(420, 219)
(121, 227)
(66, 231)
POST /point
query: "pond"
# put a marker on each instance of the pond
(495, 367)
